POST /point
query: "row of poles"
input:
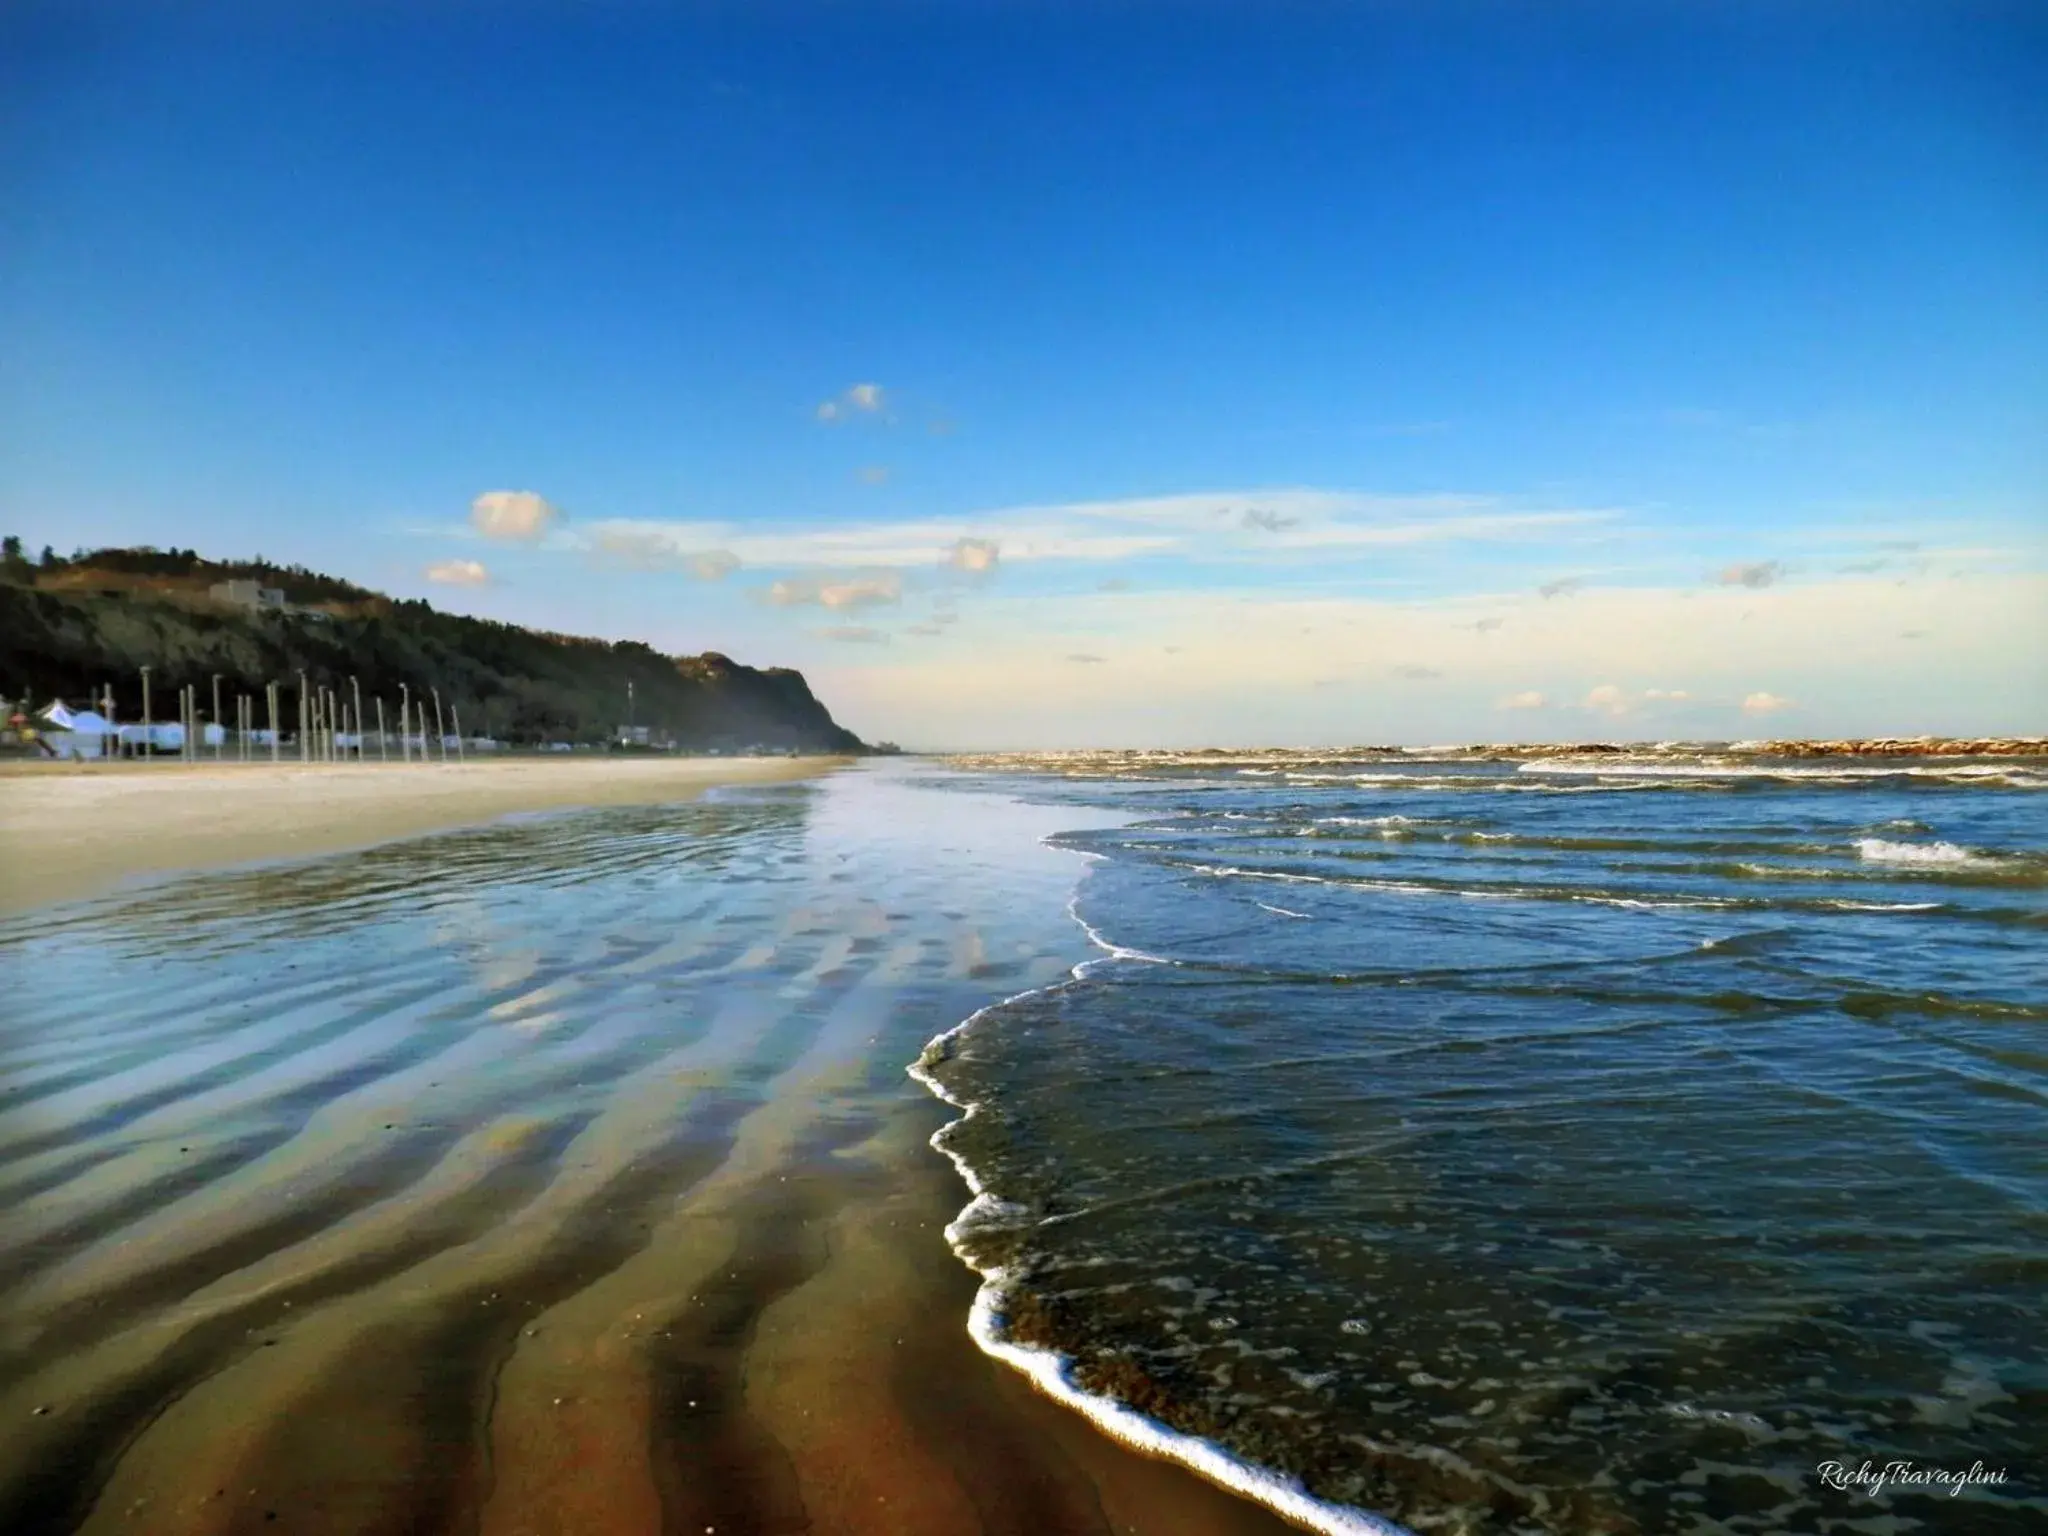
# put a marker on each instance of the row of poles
(330, 727)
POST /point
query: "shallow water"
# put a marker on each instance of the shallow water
(1561, 1147)
(299, 1165)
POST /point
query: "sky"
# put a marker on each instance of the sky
(1045, 375)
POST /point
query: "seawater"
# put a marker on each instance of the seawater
(1573, 1146)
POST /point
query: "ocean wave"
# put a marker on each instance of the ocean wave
(1609, 767)
(1878, 850)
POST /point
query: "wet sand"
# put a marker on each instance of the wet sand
(69, 830)
(548, 1177)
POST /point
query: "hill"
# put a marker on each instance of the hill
(74, 628)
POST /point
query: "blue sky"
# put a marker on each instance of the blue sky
(1039, 374)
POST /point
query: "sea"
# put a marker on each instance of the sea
(1644, 1142)
(1409, 1140)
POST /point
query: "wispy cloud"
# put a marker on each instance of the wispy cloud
(855, 634)
(1564, 586)
(514, 516)
(1271, 521)
(839, 593)
(1415, 674)
(1753, 573)
(977, 557)
(1608, 699)
(1761, 703)
(1488, 626)
(1528, 698)
(1083, 658)
(458, 573)
(873, 474)
(644, 548)
(854, 400)
(1301, 528)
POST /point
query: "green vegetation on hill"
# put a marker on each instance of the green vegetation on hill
(75, 628)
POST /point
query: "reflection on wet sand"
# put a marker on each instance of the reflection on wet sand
(554, 1176)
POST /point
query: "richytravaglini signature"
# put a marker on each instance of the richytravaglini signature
(1872, 1479)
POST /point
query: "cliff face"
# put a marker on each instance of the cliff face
(85, 635)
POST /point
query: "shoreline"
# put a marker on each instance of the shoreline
(1051, 1373)
(70, 831)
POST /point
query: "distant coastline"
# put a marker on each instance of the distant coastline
(1863, 747)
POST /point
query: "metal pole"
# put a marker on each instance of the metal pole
(383, 746)
(220, 746)
(271, 693)
(460, 755)
(148, 726)
(303, 712)
(356, 688)
(404, 721)
(438, 731)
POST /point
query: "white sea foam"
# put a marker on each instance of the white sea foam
(1878, 850)
(1052, 1373)
(1636, 768)
(1282, 911)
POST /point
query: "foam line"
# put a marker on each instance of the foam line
(1050, 1372)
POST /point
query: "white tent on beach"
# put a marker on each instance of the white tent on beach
(78, 733)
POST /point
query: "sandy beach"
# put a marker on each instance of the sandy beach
(551, 1176)
(70, 830)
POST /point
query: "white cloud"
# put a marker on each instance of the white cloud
(855, 634)
(1528, 698)
(459, 573)
(515, 516)
(1753, 573)
(1416, 674)
(1085, 659)
(840, 593)
(873, 474)
(976, 556)
(1303, 528)
(1761, 703)
(1674, 695)
(924, 629)
(855, 399)
(919, 543)
(1608, 699)
(1564, 586)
